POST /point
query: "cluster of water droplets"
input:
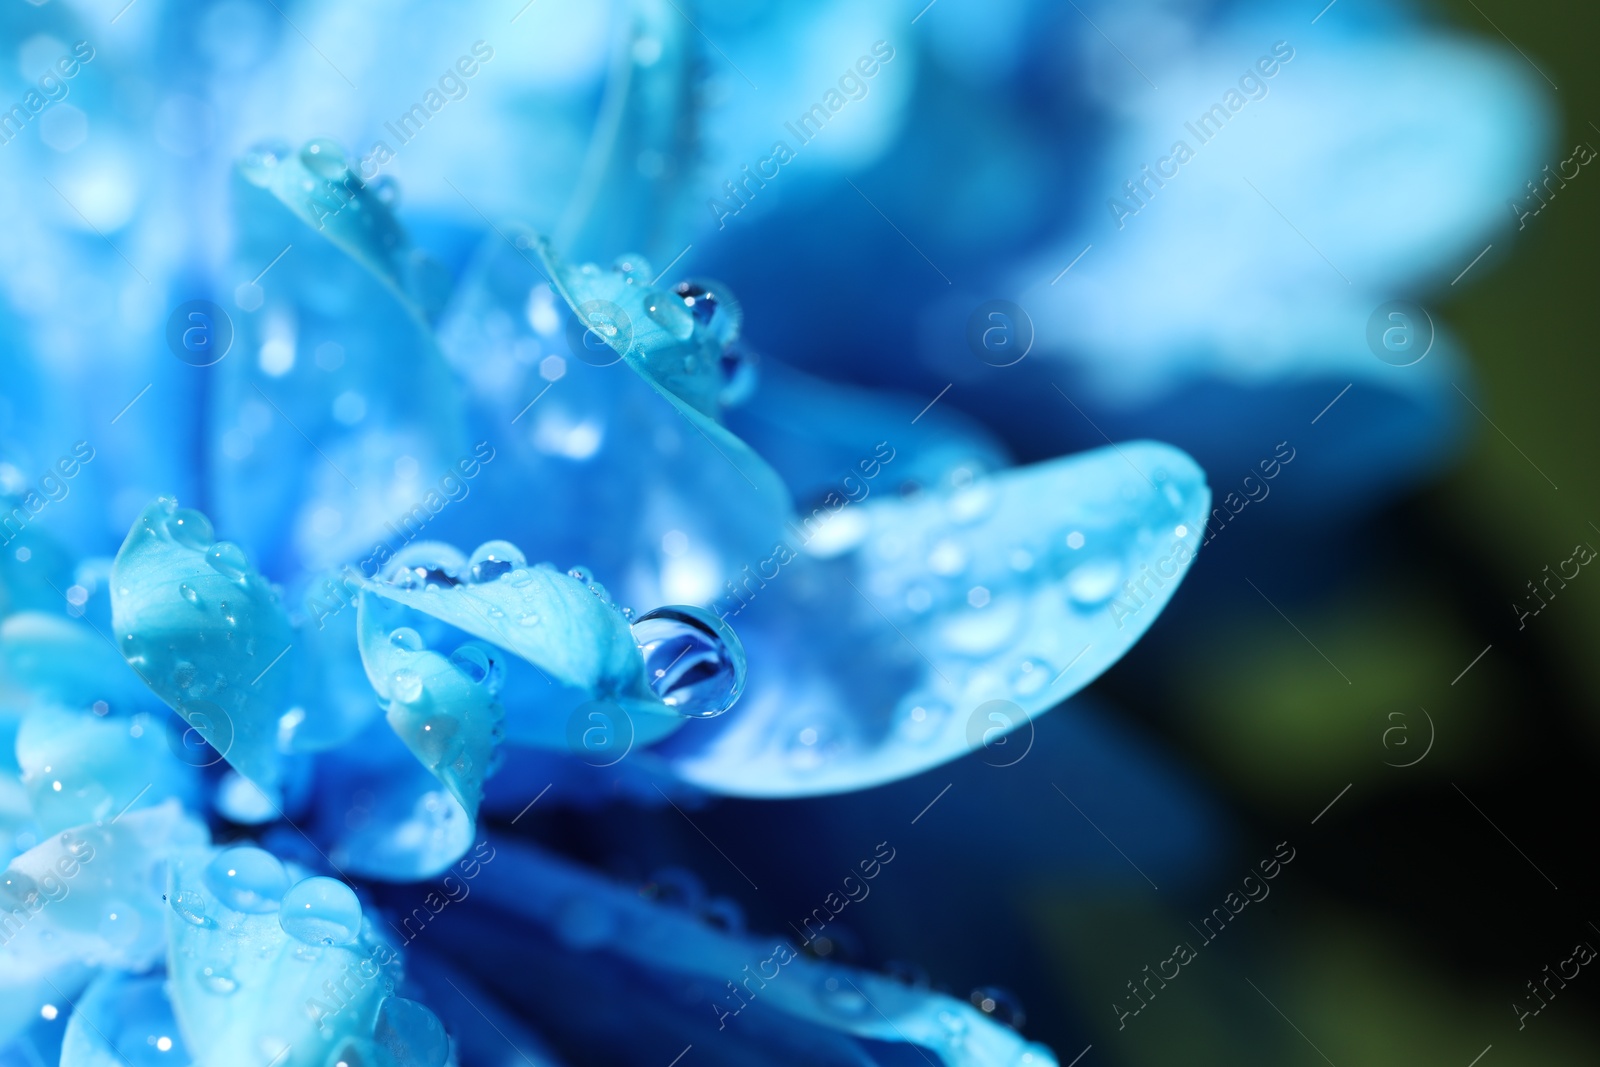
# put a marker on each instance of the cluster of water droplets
(693, 661)
(696, 306)
(318, 910)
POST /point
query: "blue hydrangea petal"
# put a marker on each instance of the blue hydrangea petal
(18, 828)
(442, 707)
(580, 642)
(632, 192)
(27, 1038)
(878, 647)
(655, 333)
(205, 631)
(382, 814)
(243, 990)
(81, 768)
(814, 1002)
(341, 413)
(818, 433)
(123, 1019)
(601, 441)
(104, 879)
(58, 661)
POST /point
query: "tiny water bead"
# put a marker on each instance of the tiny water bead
(713, 307)
(324, 158)
(321, 911)
(411, 1033)
(693, 661)
(482, 664)
(247, 879)
(494, 558)
(1002, 1006)
(405, 685)
(406, 639)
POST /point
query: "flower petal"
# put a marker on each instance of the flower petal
(205, 631)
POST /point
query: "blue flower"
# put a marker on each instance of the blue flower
(255, 752)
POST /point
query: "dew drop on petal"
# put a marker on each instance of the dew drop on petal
(321, 911)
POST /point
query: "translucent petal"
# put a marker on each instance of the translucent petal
(91, 894)
(632, 192)
(578, 638)
(81, 768)
(442, 706)
(901, 633)
(337, 413)
(650, 328)
(64, 662)
(205, 631)
(382, 814)
(124, 1020)
(244, 990)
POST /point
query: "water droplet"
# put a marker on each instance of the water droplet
(261, 160)
(713, 307)
(633, 267)
(217, 980)
(406, 638)
(473, 661)
(324, 158)
(693, 661)
(405, 685)
(583, 574)
(1031, 676)
(1001, 1005)
(670, 314)
(1092, 584)
(191, 908)
(191, 529)
(426, 565)
(321, 911)
(187, 592)
(247, 879)
(228, 560)
(494, 558)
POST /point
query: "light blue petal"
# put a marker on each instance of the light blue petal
(123, 1020)
(442, 707)
(822, 436)
(81, 768)
(93, 893)
(205, 632)
(632, 191)
(902, 633)
(59, 661)
(337, 413)
(650, 328)
(575, 637)
(382, 814)
(243, 990)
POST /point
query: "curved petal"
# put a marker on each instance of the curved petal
(631, 193)
(205, 631)
(443, 708)
(80, 768)
(679, 973)
(88, 892)
(120, 1020)
(899, 634)
(246, 992)
(339, 409)
(59, 661)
